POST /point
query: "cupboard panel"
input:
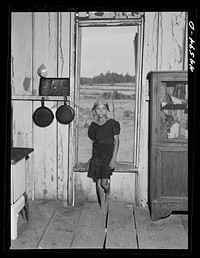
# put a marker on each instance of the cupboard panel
(174, 176)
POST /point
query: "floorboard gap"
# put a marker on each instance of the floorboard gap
(104, 244)
(37, 246)
(107, 216)
(137, 240)
(76, 226)
(106, 225)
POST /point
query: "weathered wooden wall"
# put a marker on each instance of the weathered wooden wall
(122, 187)
(40, 38)
(165, 48)
(49, 38)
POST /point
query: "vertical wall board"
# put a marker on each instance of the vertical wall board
(78, 34)
(21, 53)
(171, 40)
(44, 139)
(44, 45)
(123, 187)
(138, 93)
(150, 42)
(70, 187)
(45, 165)
(77, 88)
(63, 44)
(22, 135)
(149, 63)
(185, 67)
(62, 161)
(63, 130)
(85, 188)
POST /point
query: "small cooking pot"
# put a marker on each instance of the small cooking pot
(43, 116)
(65, 113)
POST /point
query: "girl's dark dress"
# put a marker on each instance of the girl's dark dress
(103, 146)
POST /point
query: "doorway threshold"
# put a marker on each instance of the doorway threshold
(122, 167)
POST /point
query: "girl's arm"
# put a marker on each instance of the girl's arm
(91, 133)
(115, 151)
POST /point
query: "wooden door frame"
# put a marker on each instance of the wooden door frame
(76, 26)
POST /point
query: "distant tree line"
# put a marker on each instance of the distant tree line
(116, 95)
(109, 77)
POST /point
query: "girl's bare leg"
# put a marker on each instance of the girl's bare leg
(100, 196)
(98, 190)
(106, 185)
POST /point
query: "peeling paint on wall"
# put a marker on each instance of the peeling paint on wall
(34, 92)
(61, 50)
(26, 83)
(44, 193)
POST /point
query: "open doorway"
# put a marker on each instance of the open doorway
(108, 69)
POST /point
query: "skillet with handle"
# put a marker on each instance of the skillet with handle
(43, 116)
(65, 113)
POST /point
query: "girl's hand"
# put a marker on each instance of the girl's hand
(112, 163)
(88, 165)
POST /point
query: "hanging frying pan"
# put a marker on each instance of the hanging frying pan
(65, 113)
(43, 116)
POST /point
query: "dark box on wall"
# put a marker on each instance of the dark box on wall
(54, 87)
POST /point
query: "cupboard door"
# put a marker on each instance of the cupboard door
(172, 170)
(173, 110)
(168, 175)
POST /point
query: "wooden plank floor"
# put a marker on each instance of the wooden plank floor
(60, 231)
(166, 233)
(30, 233)
(53, 226)
(121, 231)
(90, 230)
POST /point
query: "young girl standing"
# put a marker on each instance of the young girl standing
(104, 132)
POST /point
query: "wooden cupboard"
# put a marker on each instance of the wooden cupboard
(168, 143)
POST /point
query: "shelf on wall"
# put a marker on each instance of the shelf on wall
(37, 97)
(171, 106)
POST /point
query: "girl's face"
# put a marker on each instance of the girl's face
(101, 111)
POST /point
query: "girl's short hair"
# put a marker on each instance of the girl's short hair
(100, 101)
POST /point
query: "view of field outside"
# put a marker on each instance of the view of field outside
(117, 87)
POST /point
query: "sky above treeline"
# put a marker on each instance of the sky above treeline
(106, 49)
